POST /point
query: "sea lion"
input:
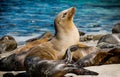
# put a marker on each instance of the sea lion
(109, 41)
(106, 56)
(53, 49)
(64, 29)
(7, 43)
(116, 28)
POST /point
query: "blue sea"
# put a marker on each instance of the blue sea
(24, 19)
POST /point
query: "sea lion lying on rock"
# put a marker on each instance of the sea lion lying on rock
(109, 41)
(107, 56)
(79, 52)
(7, 43)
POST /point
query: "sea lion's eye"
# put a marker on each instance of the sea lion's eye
(64, 14)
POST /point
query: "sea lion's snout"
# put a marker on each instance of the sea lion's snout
(71, 12)
(73, 9)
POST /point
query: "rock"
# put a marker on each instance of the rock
(7, 43)
(81, 33)
(116, 28)
(109, 41)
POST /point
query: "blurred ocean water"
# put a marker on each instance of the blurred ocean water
(25, 18)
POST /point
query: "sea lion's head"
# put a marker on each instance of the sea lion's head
(64, 17)
(67, 14)
(64, 24)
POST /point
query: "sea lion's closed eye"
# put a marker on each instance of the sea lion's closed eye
(64, 14)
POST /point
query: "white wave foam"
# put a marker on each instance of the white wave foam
(24, 38)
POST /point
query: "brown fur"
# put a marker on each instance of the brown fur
(44, 38)
(82, 51)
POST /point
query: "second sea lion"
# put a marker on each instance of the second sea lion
(102, 57)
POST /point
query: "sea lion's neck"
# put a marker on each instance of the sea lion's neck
(65, 36)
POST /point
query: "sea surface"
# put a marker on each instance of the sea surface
(24, 19)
